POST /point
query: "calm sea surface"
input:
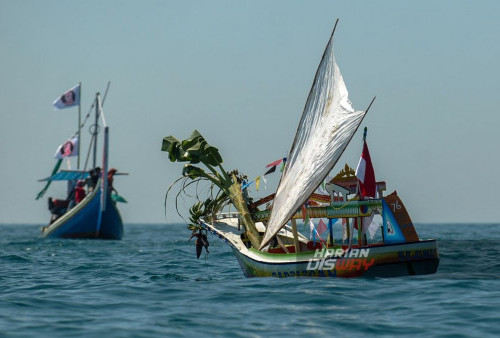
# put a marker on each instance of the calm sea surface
(150, 284)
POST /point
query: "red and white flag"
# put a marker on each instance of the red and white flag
(314, 232)
(366, 174)
(69, 99)
(67, 149)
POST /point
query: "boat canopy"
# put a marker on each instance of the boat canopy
(67, 175)
(327, 125)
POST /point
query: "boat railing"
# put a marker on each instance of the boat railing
(223, 215)
(342, 209)
(347, 209)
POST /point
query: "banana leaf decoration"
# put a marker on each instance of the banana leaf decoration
(196, 150)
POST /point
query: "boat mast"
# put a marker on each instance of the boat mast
(96, 126)
(79, 125)
(104, 182)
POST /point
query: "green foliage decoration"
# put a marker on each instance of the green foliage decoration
(225, 187)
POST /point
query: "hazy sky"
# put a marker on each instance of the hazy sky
(240, 72)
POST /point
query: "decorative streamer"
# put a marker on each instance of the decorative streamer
(54, 171)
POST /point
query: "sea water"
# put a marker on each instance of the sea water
(150, 284)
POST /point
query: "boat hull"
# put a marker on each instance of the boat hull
(394, 260)
(376, 260)
(86, 220)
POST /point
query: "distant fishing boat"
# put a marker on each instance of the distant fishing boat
(89, 210)
(267, 242)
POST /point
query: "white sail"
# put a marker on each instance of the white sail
(326, 127)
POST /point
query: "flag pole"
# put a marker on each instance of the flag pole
(96, 125)
(79, 124)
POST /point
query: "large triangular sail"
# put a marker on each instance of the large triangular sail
(326, 127)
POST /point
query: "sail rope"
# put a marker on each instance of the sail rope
(88, 153)
(92, 106)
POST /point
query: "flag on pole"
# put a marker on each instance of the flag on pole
(275, 163)
(283, 164)
(304, 212)
(273, 169)
(312, 230)
(69, 99)
(370, 225)
(265, 182)
(321, 227)
(246, 185)
(67, 149)
(366, 174)
(344, 230)
(257, 183)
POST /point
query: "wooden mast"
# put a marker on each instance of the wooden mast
(79, 124)
(95, 130)
(295, 236)
(104, 180)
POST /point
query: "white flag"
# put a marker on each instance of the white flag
(370, 225)
(344, 230)
(69, 99)
(312, 227)
(67, 149)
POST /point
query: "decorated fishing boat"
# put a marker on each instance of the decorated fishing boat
(375, 234)
(89, 208)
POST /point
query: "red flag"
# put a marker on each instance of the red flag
(321, 227)
(275, 163)
(366, 174)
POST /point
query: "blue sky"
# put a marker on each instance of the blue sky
(240, 72)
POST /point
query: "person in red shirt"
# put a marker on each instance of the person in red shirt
(111, 173)
(79, 191)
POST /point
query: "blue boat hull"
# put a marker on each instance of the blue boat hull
(86, 220)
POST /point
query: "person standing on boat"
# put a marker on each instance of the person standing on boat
(95, 174)
(79, 191)
(111, 173)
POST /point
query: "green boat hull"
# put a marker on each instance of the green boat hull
(393, 260)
